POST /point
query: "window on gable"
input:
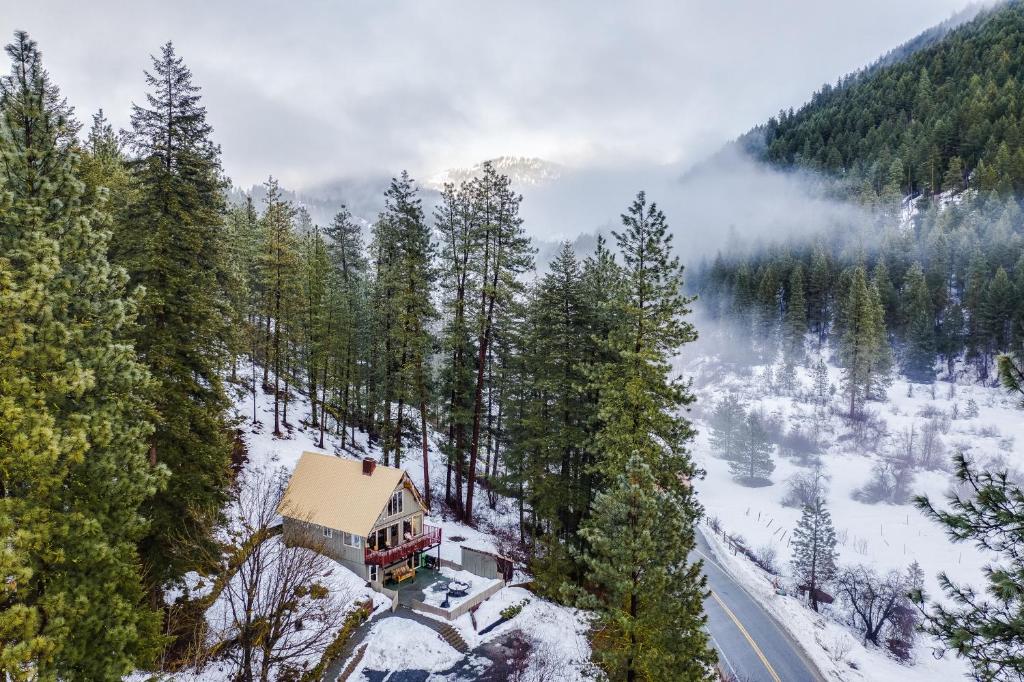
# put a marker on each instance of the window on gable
(395, 503)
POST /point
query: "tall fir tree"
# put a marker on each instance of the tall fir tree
(795, 328)
(727, 425)
(345, 248)
(459, 240)
(814, 549)
(863, 349)
(647, 598)
(280, 271)
(555, 425)
(505, 255)
(752, 463)
(414, 275)
(73, 411)
(176, 250)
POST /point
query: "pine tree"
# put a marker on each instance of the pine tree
(73, 413)
(318, 320)
(796, 316)
(814, 549)
(864, 349)
(507, 254)
(414, 276)
(649, 614)
(348, 260)
(919, 355)
(1011, 373)
(818, 288)
(176, 250)
(769, 295)
(753, 461)
(280, 262)
(647, 602)
(997, 312)
(821, 382)
(986, 629)
(727, 426)
(555, 426)
(460, 241)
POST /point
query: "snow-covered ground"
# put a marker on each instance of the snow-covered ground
(557, 634)
(978, 420)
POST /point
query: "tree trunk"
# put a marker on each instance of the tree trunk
(426, 460)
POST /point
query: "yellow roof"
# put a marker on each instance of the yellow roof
(333, 492)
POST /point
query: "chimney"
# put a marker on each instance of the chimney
(369, 464)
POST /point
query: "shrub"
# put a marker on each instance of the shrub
(513, 610)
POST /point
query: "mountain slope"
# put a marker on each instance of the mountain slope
(926, 118)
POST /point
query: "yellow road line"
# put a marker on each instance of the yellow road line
(750, 640)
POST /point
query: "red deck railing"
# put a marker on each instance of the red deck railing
(430, 537)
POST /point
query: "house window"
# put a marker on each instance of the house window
(351, 540)
(395, 503)
(373, 573)
(328, 533)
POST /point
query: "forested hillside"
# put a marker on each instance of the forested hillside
(930, 148)
(946, 116)
(137, 303)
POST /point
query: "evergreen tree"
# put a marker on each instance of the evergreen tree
(863, 350)
(414, 274)
(460, 240)
(727, 427)
(647, 599)
(818, 289)
(986, 630)
(649, 614)
(345, 248)
(555, 424)
(175, 249)
(820, 382)
(919, 355)
(814, 549)
(73, 413)
(506, 254)
(796, 316)
(280, 262)
(1011, 373)
(753, 461)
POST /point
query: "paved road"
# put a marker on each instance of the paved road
(751, 645)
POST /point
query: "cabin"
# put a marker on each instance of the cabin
(365, 516)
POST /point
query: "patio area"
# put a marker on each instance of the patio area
(430, 587)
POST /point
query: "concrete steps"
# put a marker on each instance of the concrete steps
(452, 636)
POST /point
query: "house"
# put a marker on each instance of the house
(365, 516)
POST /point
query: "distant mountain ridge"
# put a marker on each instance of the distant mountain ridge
(524, 171)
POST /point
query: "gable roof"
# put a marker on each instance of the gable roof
(333, 492)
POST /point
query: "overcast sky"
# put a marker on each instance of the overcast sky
(312, 91)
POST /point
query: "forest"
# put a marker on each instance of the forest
(133, 294)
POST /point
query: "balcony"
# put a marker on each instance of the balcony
(430, 537)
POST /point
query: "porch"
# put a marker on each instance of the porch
(429, 538)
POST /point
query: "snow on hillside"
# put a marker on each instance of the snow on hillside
(521, 170)
(978, 420)
(557, 633)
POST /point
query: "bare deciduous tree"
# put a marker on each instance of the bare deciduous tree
(279, 614)
(873, 602)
